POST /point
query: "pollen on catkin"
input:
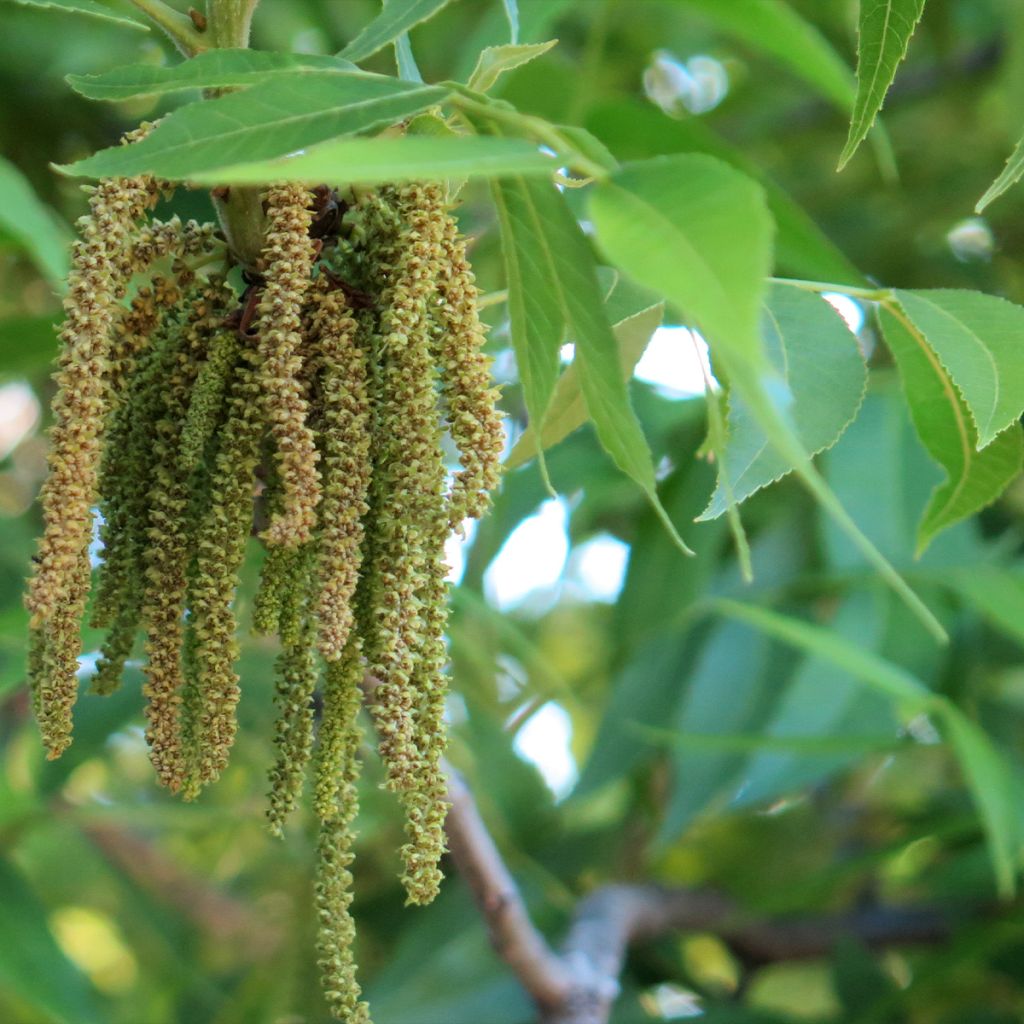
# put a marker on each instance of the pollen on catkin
(309, 412)
(286, 265)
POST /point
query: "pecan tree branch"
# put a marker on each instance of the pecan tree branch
(580, 984)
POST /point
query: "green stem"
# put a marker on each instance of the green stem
(241, 211)
(228, 22)
(525, 124)
(185, 36)
(868, 294)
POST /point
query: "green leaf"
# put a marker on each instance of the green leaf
(884, 30)
(212, 69)
(996, 592)
(884, 478)
(33, 967)
(494, 61)
(405, 61)
(736, 654)
(266, 121)
(1008, 177)
(986, 772)
(848, 655)
(637, 131)
(715, 224)
(945, 427)
(512, 16)
(32, 224)
(27, 344)
(537, 319)
(90, 8)
(814, 351)
(397, 17)
(995, 793)
(369, 161)
(977, 339)
(567, 410)
(773, 27)
(827, 703)
(570, 262)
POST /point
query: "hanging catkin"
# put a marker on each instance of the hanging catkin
(310, 411)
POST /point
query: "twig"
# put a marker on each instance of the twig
(580, 984)
(179, 27)
(543, 973)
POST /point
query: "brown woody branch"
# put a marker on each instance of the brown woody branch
(580, 984)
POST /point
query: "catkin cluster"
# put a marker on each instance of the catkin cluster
(311, 410)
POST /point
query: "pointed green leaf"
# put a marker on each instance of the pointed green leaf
(814, 351)
(266, 121)
(1008, 177)
(212, 69)
(370, 161)
(405, 62)
(869, 668)
(397, 17)
(884, 31)
(977, 338)
(89, 8)
(633, 327)
(984, 769)
(494, 61)
(995, 793)
(773, 27)
(714, 225)
(33, 968)
(535, 310)
(32, 224)
(634, 130)
(555, 254)
(740, 656)
(945, 427)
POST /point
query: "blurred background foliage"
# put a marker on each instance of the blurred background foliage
(610, 730)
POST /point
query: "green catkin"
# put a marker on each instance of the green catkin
(165, 413)
(345, 453)
(124, 491)
(59, 588)
(336, 802)
(220, 539)
(167, 545)
(338, 737)
(296, 684)
(279, 563)
(286, 264)
(206, 402)
(411, 467)
(474, 421)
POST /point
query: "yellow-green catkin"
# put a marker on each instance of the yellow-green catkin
(59, 588)
(206, 402)
(336, 803)
(168, 543)
(474, 421)
(123, 500)
(279, 563)
(345, 452)
(409, 504)
(296, 684)
(286, 265)
(125, 472)
(221, 534)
